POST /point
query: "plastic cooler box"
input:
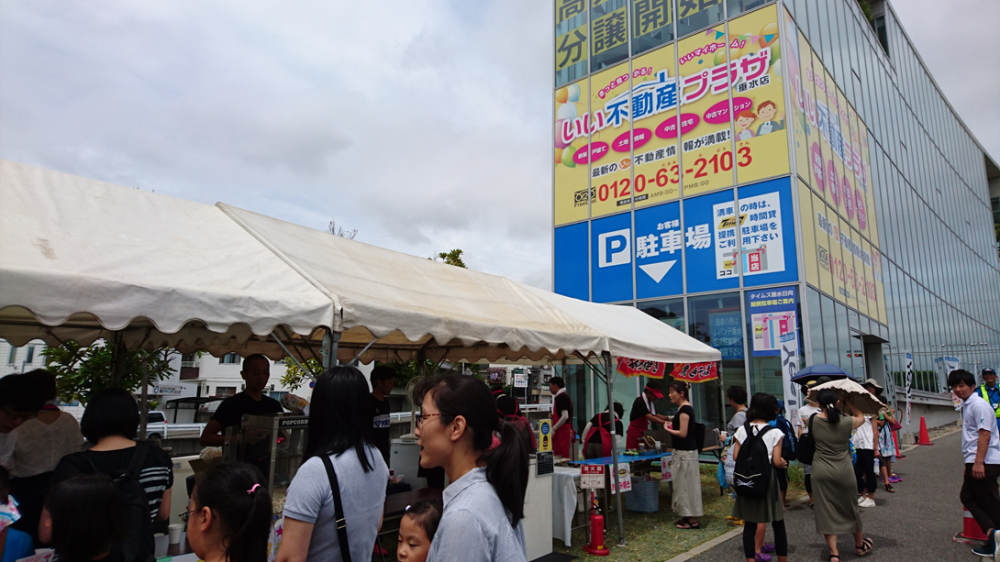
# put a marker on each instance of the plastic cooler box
(644, 497)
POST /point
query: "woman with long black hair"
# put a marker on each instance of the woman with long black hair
(484, 505)
(341, 441)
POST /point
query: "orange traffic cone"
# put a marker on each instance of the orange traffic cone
(971, 531)
(925, 439)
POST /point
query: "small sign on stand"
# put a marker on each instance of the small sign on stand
(624, 478)
(544, 436)
(665, 474)
(545, 463)
(592, 477)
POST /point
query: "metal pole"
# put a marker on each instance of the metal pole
(609, 377)
(329, 349)
(145, 404)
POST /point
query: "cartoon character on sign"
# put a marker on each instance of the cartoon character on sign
(743, 122)
(767, 111)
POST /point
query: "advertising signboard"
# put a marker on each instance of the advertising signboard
(656, 173)
(570, 202)
(610, 150)
(659, 244)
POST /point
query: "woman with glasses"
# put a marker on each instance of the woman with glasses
(484, 505)
(229, 517)
(339, 448)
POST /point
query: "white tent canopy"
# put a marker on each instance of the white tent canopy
(82, 259)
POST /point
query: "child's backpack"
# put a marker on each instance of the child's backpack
(752, 475)
(789, 445)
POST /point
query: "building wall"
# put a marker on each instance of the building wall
(884, 228)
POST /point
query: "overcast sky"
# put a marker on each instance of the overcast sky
(425, 124)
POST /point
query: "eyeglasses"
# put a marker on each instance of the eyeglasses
(186, 515)
(422, 417)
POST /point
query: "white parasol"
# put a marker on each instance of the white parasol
(850, 392)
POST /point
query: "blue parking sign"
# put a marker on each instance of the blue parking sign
(659, 245)
(611, 258)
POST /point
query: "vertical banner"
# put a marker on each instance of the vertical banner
(571, 40)
(829, 186)
(890, 386)
(572, 126)
(813, 136)
(706, 127)
(824, 229)
(808, 222)
(610, 142)
(798, 122)
(656, 175)
(789, 368)
(758, 96)
(909, 385)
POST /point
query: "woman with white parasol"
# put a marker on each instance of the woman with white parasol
(833, 481)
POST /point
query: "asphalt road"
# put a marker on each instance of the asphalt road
(917, 522)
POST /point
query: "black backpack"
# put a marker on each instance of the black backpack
(789, 445)
(138, 545)
(807, 445)
(752, 475)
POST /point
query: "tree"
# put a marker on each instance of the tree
(295, 377)
(82, 371)
(453, 257)
(335, 230)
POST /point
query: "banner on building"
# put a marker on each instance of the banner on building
(641, 368)
(695, 372)
(909, 385)
(789, 368)
(572, 126)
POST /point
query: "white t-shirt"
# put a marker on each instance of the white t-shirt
(804, 414)
(771, 438)
(863, 436)
(40, 446)
(7, 442)
(977, 414)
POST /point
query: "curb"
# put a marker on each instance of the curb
(909, 448)
(706, 546)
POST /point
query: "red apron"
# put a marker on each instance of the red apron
(636, 428)
(562, 438)
(605, 440)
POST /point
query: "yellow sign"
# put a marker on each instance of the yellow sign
(705, 124)
(650, 16)
(610, 149)
(808, 222)
(572, 121)
(610, 31)
(758, 96)
(566, 9)
(656, 174)
(544, 436)
(792, 51)
(571, 47)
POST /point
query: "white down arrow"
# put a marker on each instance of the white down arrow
(658, 270)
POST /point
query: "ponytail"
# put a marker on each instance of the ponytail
(507, 464)
(237, 494)
(827, 399)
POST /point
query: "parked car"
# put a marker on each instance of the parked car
(157, 427)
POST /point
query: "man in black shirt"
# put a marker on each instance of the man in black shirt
(382, 379)
(256, 372)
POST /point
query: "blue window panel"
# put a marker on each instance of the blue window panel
(570, 264)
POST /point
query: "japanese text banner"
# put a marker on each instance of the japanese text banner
(638, 367)
(758, 96)
(610, 146)
(695, 372)
(655, 130)
(571, 127)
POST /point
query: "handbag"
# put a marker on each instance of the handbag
(338, 509)
(807, 445)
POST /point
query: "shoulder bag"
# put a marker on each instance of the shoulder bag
(338, 509)
(807, 445)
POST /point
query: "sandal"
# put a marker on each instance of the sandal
(683, 523)
(865, 548)
(812, 505)
(833, 557)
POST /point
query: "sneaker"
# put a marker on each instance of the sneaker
(895, 479)
(861, 500)
(767, 548)
(867, 503)
(989, 549)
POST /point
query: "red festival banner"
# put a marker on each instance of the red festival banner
(640, 367)
(695, 372)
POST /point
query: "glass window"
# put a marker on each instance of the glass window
(229, 359)
(830, 331)
(652, 24)
(609, 33)
(695, 15)
(572, 47)
(670, 312)
(225, 391)
(718, 321)
(30, 357)
(737, 7)
(12, 356)
(814, 314)
(765, 326)
(845, 359)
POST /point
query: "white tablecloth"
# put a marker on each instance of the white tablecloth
(564, 483)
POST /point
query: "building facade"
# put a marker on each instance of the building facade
(782, 180)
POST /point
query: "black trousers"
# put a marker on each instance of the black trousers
(981, 498)
(864, 470)
(750, 534)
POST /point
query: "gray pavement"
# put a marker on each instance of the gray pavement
(917, 522)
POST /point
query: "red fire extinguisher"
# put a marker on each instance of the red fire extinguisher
(596, 546)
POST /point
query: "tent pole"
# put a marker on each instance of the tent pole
(145, 404)
(614, 447)
(329, 352)
(307, 372)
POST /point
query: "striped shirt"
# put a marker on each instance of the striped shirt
(475, 527)
(156, 475)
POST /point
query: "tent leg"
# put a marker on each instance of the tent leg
(614, 447)
(329, 352)
(145, 404)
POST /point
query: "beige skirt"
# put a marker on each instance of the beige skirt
(687, 484)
